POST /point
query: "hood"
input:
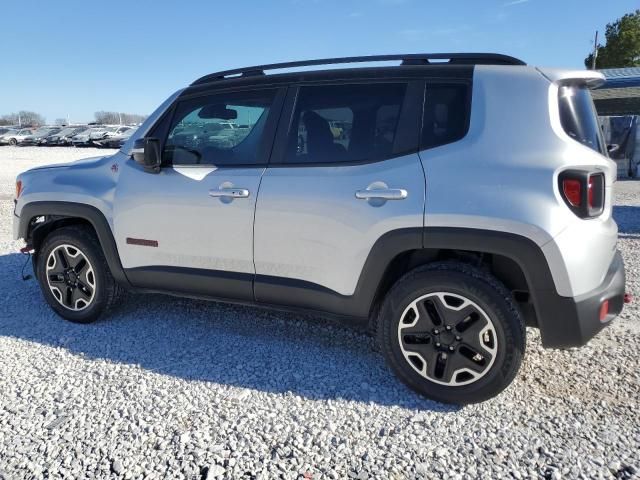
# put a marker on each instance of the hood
(84, 163)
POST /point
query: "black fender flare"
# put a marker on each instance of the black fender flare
(524, 252)
(551, 309)
(82, 211)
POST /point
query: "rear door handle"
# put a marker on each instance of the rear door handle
(230, 192)
(382, 193)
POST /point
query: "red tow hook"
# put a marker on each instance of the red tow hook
(29, 248)
(628, 298)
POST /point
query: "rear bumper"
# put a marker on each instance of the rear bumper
(572, 322)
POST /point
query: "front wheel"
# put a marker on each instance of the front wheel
(452, 332)
(74, 276)
(13, 142)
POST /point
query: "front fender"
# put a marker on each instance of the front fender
(68, 210)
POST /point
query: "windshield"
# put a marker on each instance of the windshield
(44, 131)
(64, 131)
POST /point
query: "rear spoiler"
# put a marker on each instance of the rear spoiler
(590, 78)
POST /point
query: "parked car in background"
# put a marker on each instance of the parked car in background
(38, 135)
(6, 132)
(83, 138)
(107, 132)
(115, 131)
(16, 137)
(117, 140)
(63, 137)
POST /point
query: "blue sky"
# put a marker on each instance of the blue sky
(73, 57)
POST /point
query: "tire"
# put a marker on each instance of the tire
(97, 292)
(13, 142)
(452, 333)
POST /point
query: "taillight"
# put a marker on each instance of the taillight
(583, 192)
(592, 191)
(604, 310)
(572, 191)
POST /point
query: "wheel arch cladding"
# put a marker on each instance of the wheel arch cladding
(66, 213)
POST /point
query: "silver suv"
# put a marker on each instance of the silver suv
(445, 203)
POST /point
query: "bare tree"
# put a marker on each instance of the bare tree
(23, 117)
(116, 118)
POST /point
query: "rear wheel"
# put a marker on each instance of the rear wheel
(13, 142)
(452, 333)
(74, 276)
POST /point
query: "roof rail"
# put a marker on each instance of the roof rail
(407, 59)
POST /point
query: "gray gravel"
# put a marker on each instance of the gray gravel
(186, 389)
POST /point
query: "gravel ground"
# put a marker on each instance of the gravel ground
(187, 389)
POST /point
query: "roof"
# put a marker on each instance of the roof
(406, 59)
(620, 72)
(620, 94)
(621, 77)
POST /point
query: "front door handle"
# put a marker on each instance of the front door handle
(229, 192)
(382, 193)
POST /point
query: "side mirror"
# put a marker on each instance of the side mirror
(146, 152)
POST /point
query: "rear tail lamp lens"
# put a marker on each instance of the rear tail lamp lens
(583, 192)
(572, 190)
(604, 310)
(593, 191)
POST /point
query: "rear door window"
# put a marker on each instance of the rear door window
(345, 123)
(578, 116)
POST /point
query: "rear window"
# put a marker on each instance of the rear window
(578, 117)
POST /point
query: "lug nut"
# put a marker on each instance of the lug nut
(438, 344)
(458, 337)
(448, 327)
(436, 331)
(451, 348)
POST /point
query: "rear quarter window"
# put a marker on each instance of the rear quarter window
(446, 114)
(579, 118)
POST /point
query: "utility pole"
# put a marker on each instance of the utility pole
(595, 52)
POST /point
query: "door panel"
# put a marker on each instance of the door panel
(189, 228)
(339, 179)
(310, 226)
(192, 228)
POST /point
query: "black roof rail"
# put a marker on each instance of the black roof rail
(407, 59)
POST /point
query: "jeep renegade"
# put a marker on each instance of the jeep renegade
(445, 202)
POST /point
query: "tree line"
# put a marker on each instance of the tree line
(117, 118)
(23, 117)
(622, 46)
(34, 119)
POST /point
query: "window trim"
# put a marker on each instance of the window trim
(161, 128)
(443, 82)
(409, 123)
